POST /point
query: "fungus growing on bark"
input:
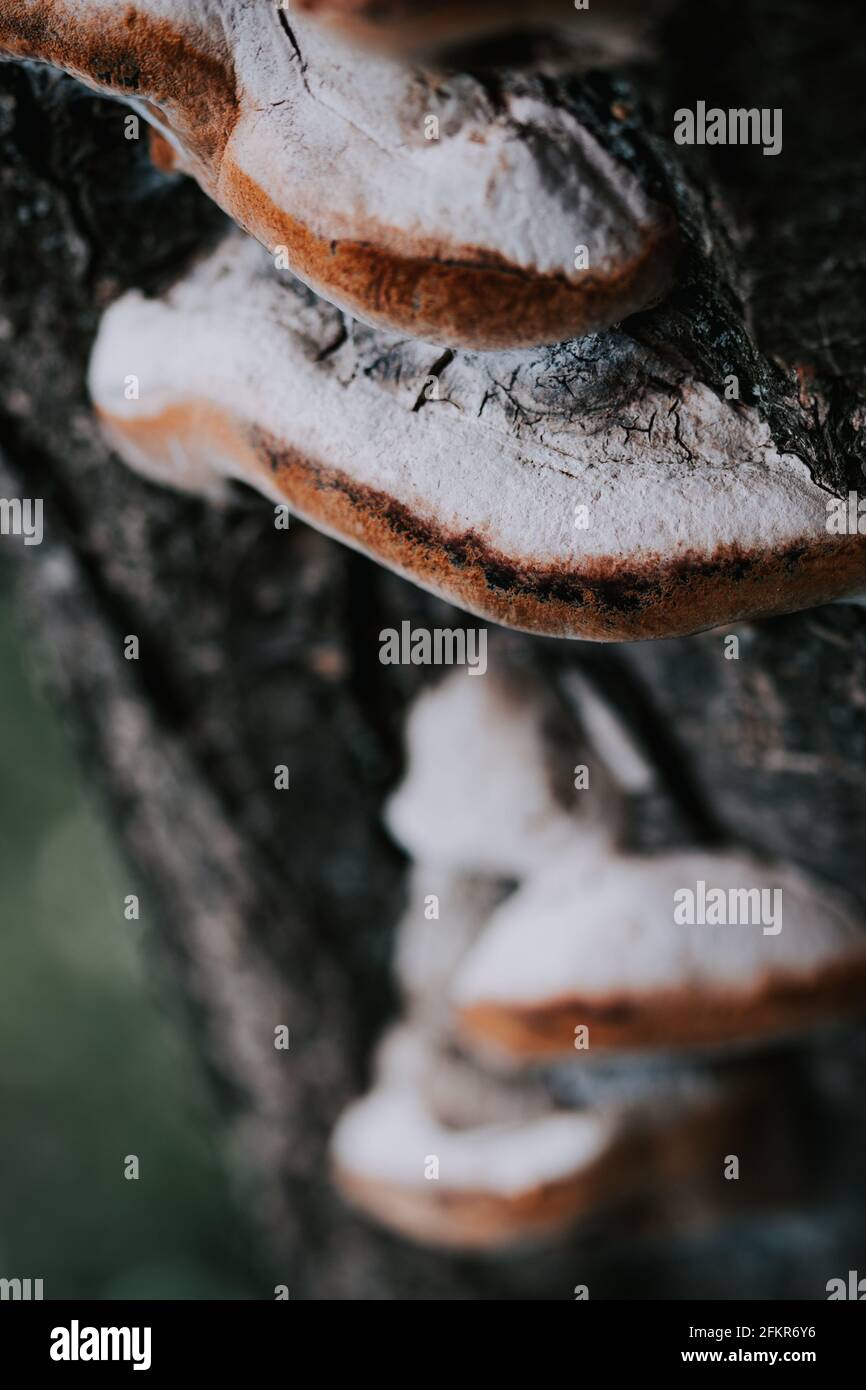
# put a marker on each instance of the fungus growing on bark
(682, 949)
(505, 482)
(481, 1185)
(458, 1142)
(421, 204)
(607, 486)
(451, 1155)
(641, 480)
(463, 804)
(594, 941)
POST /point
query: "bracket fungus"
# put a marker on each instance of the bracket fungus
(481, 321)
(416, 201)
(478, 1130)
(476, 797)
(511, 1178)
(517, 449)
(480, 1185)
(467, 472)
(608, 952)
(591, 935)
(450, 1153)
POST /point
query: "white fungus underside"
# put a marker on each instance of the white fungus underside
(345, 149)
(475, 797)
(337, 139)
(608, 928)
(389, 1136)
(585, 919)
(230, 336)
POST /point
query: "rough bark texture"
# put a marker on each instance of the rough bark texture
(260, 648)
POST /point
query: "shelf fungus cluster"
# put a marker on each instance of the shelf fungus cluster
(572, 1044)
(613, 940)
(449, 339)
(477, 315)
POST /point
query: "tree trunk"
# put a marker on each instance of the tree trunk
(259, 648)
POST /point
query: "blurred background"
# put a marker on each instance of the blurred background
(93, 1066)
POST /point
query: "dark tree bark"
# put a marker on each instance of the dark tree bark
(260, 648)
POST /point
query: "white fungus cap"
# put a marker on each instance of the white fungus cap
(610, 945)
(239, 375)
(459, 234)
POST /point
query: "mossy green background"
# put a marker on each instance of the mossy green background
(92, 1065)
